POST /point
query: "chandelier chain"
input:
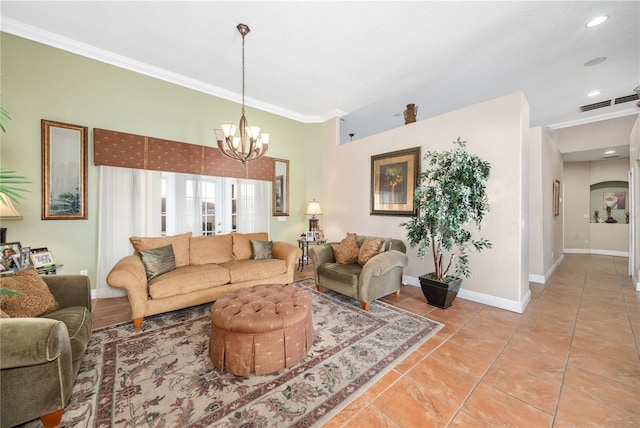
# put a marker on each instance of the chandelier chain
(243, 74)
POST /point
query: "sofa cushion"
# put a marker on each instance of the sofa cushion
(158, 261)
(79, 325)
(344, 274)
(188, 279)
(180, 244)
(261, 249)
(248, 270)
(370, 248)
(346, 252)
(211, 249)
(37, 299)
(242, 244)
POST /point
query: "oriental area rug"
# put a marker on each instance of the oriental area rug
(161, 374)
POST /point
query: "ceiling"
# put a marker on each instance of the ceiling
(361, 61)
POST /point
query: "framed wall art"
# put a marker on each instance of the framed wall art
(280, 197)
(556, 198)
(394, 177)
(64, 171)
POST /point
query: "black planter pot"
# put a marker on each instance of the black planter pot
(439, 294)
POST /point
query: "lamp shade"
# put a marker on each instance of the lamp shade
(7, 210)
(314, 208)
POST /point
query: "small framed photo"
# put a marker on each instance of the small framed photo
(25, 257)
(310, 236)
(42, 259)
(318, 235)
(10, 256)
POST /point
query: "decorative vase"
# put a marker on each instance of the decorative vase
(439, 294)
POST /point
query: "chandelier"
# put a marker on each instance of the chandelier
(250, 144)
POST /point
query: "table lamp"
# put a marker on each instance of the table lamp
(7, 212)
(312, 209)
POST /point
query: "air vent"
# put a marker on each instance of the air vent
(594, 106)
(610, 156)
(626, 99)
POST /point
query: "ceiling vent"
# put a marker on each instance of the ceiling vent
(610, 156)
(626, 99)
(594, 106)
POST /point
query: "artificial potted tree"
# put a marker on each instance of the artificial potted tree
(450, 197)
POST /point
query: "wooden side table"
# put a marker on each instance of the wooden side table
(304, 245)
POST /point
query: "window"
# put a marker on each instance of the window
(206, 205)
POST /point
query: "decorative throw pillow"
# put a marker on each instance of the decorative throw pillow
(261, 249)
(242, 244)
(368, 249)
(180, 245)
(346, 252)
(158, 261)
(37, 299)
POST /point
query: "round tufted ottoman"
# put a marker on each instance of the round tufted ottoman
(261, 329)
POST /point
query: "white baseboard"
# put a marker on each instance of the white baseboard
(497, 302)
(538, 279)
(596, 251)
(107, 292)
(542, 279)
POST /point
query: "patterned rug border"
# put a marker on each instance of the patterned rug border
(333, 404)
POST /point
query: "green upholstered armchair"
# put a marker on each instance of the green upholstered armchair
(378, 277)
(40, 357)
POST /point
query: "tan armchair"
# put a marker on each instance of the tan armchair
(40, 357)
(378, 277)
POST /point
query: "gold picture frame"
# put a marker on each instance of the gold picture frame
(394, 177)
(64, 171)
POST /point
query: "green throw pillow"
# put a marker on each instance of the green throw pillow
(158, 261)
(261, 249)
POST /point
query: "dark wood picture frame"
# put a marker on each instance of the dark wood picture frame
(64, 171)
(280, 187)
(394, 177)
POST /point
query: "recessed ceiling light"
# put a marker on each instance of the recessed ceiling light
(595, 61)
(596, 21)
(593, 93)
(609, 152)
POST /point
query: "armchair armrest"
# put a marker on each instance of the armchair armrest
(70, 290)
(382, 263)
(321, 254)
(32, 341)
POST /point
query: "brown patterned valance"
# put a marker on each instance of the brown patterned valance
(115, 148)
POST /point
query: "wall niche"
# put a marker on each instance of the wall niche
(609, 202)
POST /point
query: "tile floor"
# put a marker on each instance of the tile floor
(571, 360)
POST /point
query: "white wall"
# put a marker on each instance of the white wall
(545, 229)
(498, 131)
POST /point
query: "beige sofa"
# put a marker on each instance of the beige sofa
(206, 268)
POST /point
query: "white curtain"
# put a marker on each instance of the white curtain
(129, 205)
(254, 203)
(184, 203)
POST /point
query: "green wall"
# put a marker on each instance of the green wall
(40, 82)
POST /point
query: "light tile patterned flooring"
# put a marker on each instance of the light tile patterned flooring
(571, 360)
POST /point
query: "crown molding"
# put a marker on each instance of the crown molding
(35, 34)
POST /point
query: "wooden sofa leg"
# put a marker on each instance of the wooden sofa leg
(365, 305)
(397, 292)
(319, 287)
(52, 419)
(137, 323)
